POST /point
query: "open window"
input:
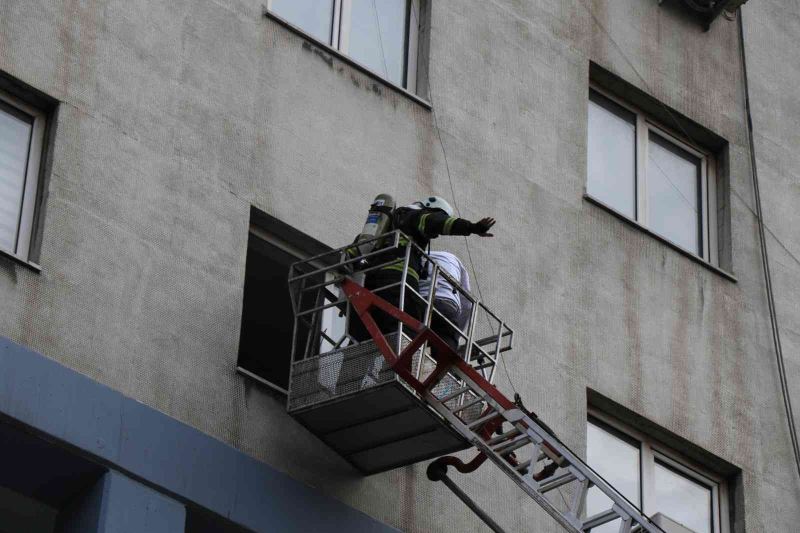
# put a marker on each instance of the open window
(265, 342)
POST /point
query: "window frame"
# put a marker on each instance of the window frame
(708, 177)
(340, 40)
(286, 246)
(651, 450)
(30, 194)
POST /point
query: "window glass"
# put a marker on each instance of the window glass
(312, 16)
(612, 155)
(617, 460)
(673, 178)
(378, 36)
(15, 138)
(682, 499)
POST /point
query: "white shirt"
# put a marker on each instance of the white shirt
(451, 264)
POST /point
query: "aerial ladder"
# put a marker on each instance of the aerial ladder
(503, 431)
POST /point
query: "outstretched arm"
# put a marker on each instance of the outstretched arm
(482, 227)
(432, 225)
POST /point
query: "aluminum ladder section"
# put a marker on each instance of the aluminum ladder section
(525, 436)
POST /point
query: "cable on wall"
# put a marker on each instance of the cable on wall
(458, 212)
(773, 316)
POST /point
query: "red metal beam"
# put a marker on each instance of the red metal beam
(363, 301)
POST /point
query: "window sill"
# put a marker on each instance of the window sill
(244, 372)
(346, 59)
(685, 253)
(27, 264)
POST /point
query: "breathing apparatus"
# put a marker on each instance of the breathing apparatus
(379, 221)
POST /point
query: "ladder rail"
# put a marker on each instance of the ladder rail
(573, 470)
(625, 509)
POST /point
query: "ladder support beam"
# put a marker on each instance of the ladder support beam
(566, 468)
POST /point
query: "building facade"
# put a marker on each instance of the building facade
(163, 163)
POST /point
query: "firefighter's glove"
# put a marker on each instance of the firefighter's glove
(483, 226)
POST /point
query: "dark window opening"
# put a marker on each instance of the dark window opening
(265, 344)
(200, 520)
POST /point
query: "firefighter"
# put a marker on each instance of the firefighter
(421, 221)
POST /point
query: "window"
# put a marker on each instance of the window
(654, 478)
(650, 175)
(381, 35)
(265, 342)
(21, 140)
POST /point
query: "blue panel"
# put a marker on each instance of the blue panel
(129, 507)
(42, 394)
(177, 457)
(268, 501)
(19, 383)
(59, 402)
(116, 504)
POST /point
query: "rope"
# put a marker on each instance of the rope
(466, 241)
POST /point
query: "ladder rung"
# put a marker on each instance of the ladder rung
(504, 436)
(523, 465)
(599, 519)
(453, 394)
(555, 482)
(526, 464)
(515, 443)
(468, 404)
(481, 421)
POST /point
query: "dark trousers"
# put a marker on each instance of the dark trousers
(440, 326)
(353, 374)
(386, 323)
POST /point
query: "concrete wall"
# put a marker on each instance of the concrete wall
(771, 30)
(177, 116)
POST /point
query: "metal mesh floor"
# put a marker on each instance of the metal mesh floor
(337, 374)
(354, 402)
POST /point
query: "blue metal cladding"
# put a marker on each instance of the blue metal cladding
(126, 435)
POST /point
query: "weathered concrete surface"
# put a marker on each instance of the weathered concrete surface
(177, 116)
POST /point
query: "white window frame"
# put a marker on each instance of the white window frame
(650, 450)
(30, 191)
(708, 177)
(340, 38)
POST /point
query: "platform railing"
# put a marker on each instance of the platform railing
(324, 318)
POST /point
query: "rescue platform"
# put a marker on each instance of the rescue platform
(344, 391)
